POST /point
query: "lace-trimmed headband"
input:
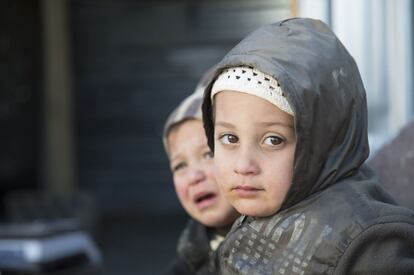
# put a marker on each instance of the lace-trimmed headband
(251, 81)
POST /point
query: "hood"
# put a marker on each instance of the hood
(189, 108)
(323, 86)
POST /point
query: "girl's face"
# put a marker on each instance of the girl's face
(254, 152)
(194, 180)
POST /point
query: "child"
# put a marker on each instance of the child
(192, 167)
(286, 118)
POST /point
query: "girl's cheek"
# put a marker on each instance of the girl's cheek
(223, 164)
(214, 171)
(222, 176)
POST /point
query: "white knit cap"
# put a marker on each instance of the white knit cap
(251, 81)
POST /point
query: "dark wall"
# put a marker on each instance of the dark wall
(20, 96)
(134, 62)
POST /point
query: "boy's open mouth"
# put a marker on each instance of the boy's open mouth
(204, 199)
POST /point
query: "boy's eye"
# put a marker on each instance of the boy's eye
(228, 139)
(179, 166)
(273, 141)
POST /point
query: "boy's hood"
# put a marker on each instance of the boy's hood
(189, 108)
(324, 88)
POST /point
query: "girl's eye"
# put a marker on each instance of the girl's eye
(273, 141)
(208, 155)
(179, 166)
(228, 139)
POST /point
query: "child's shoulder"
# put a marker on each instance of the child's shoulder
(323, 226)
(352, 202)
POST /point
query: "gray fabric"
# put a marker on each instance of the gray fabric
(194, 255)
(194, 247)
(335, 217)
(189, 108)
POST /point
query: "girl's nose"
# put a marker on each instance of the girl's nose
(246, 164)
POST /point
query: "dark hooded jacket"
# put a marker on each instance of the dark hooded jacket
(335, 218)
(194, 255)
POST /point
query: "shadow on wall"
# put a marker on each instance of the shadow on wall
(394, 164)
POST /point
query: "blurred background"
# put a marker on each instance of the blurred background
(86, 86)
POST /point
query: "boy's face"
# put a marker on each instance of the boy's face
(254, 152)
(194, 180)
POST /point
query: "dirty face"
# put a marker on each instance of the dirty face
(254, 145)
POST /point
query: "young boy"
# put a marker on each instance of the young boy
(285, 115)
(195, 184)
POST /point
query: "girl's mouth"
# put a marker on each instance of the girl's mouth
(204, 200)
(246, 191)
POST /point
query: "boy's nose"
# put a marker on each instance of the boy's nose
(196, 175)
(246, 164)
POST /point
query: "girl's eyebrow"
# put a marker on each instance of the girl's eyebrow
(269, 124)
(225, 124)
(266, 124)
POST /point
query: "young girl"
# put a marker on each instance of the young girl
(194, 181)
(286, 118)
